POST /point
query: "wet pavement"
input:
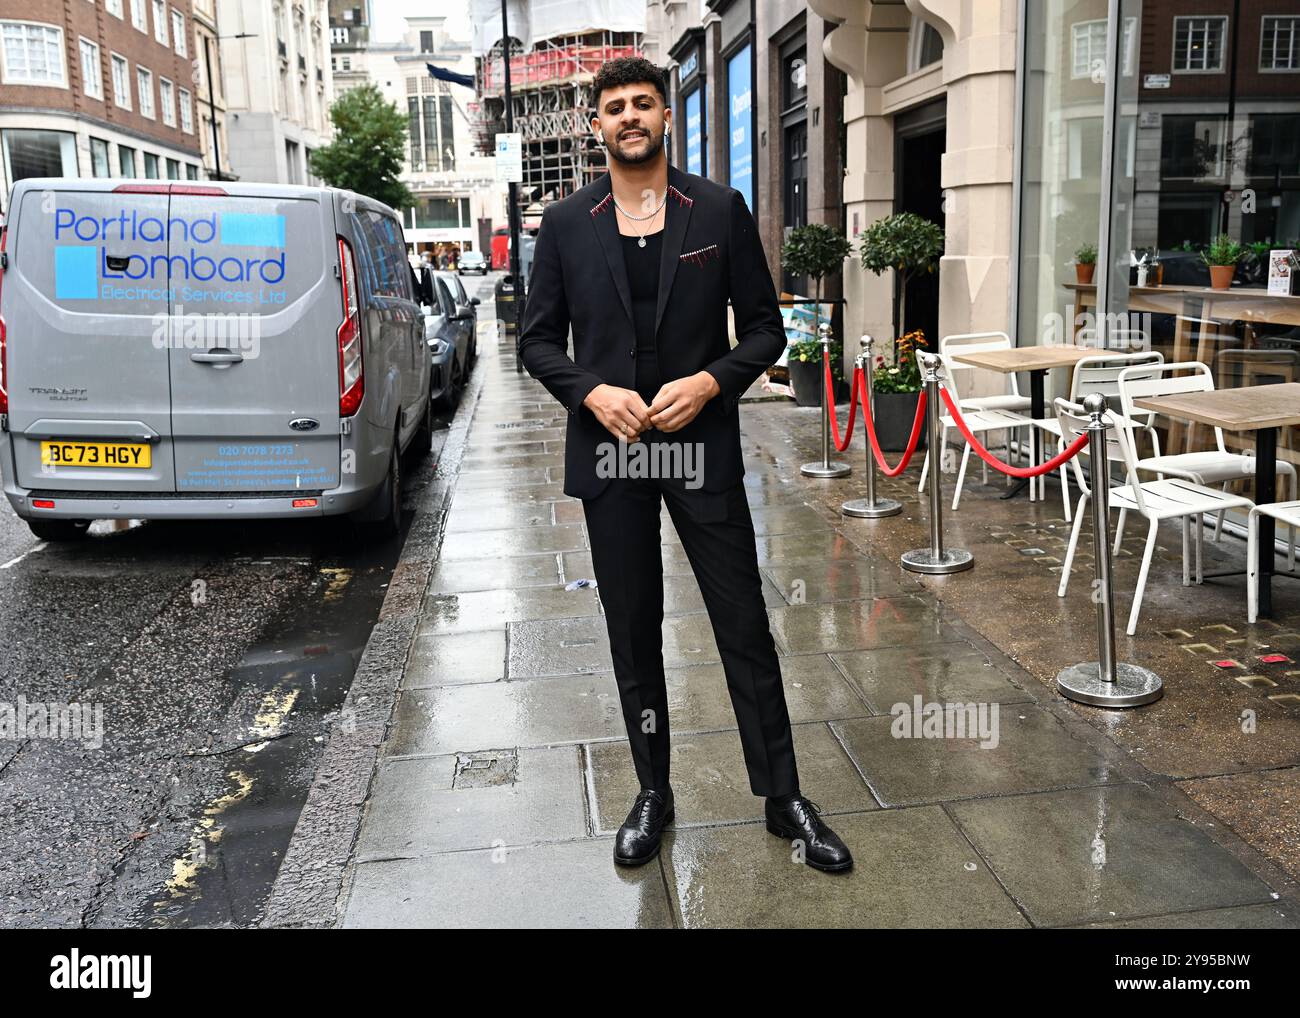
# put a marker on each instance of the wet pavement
(506, 771)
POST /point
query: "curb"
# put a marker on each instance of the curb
(311, 886)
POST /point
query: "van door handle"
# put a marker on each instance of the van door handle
(217, 358)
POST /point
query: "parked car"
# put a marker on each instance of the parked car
(466, 306)
(472, 261)
(186, 351)
(449, 335)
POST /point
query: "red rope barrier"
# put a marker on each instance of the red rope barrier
(1070, 452)
(830, 403)
(912, 440)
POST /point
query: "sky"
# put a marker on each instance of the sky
(389, 15)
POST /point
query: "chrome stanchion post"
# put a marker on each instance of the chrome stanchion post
(870, 508)
(935, 559)
(1105, 683)
(825, 468)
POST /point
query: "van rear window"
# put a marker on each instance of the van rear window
(126, 253)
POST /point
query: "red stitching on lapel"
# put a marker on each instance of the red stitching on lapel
(700, 255)
(600, 205)
(681, 198)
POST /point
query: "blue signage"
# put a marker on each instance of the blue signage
(694, 134)
(740, 145)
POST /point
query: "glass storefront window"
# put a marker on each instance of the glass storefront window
(1216, 134)
(99, 158)
(39, 154)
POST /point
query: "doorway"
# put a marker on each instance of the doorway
(919, 143)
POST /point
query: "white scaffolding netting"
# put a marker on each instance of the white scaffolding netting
(532, 21)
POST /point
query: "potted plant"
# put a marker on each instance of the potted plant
(895, 390)
(907, 243)
(815, 251)
(807, 373)
(1085, 263)
(1222, 257)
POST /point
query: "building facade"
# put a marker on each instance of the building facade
(210, 92)
(457, 198)
(279, 86)
(102, 89)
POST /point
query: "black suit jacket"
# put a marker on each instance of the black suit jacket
(711, 251)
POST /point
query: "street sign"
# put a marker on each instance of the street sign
(1156, 81)
(510, 158)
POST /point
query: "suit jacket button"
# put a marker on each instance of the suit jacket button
(632, 352)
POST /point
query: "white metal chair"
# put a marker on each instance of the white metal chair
(979, 342)
(978, 421)
(1283, 512)
(1212, 466)
(1176, 498)
(1098, 373)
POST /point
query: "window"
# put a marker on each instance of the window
(151, 166)
(125, 161)
(338, 36)
(33, 54)
(1198, 44)
(178, 32)
(426, 42)
(144, 87)
(191, 172)
(167, 98)
(121, 81)
(99, 158)
(92, 72)
(173, 169)
(1279, 44)
(1088, 52)
(160, 21)
(114, 7)
(30, 153)
(140, 15)
(187, 112)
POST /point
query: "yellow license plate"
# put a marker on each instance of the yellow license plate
(135, 455)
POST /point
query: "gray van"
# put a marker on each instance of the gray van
(203, 351)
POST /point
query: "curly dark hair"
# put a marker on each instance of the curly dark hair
(628, 71)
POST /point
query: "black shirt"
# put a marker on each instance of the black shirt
(643, 285)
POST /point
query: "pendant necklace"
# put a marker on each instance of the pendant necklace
(640, 219)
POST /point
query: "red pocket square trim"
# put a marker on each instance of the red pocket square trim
(700, 255)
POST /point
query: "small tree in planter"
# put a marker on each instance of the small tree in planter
(1222, 257)
(907, 243)
(815, 251)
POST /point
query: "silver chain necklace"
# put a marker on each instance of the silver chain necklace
(640, 219)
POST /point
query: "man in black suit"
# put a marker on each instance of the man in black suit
(640, 263)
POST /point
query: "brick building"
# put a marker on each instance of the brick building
(98, 89)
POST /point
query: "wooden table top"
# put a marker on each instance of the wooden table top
(1245, 409)
(1234, 293)
(1026, 358)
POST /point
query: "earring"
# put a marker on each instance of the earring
(601, 136)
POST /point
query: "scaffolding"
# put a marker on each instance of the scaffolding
(550, 86)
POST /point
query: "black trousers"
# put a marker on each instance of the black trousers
(717, 533)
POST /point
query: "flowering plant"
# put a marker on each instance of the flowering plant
(905, 375)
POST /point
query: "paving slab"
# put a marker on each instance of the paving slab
(456, 658)
(497, 715)
(456, 803)
(859, 625)
(1029, 749)
(567, 885)
(487, 573)
(949, 673)
(912, 868)
(842, 579)
(1104, 853)
(467, 611)
(490, 544)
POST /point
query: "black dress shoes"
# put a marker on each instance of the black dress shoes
(800, 820)
(638, 839)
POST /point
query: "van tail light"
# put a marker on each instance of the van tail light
(352, 378)
(4, 351)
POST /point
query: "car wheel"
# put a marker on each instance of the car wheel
(450, 394)
(59, 530)
(387, 503)
(422, 442)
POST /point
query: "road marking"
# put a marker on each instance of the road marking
(14, 561)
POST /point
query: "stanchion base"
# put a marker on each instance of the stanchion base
(1133, 685)
(923, 560)
(831, 469)
(864, 509)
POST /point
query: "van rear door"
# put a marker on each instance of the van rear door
(85, 306)
(254, 351)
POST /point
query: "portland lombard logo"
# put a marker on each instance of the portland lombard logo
(92, 254)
